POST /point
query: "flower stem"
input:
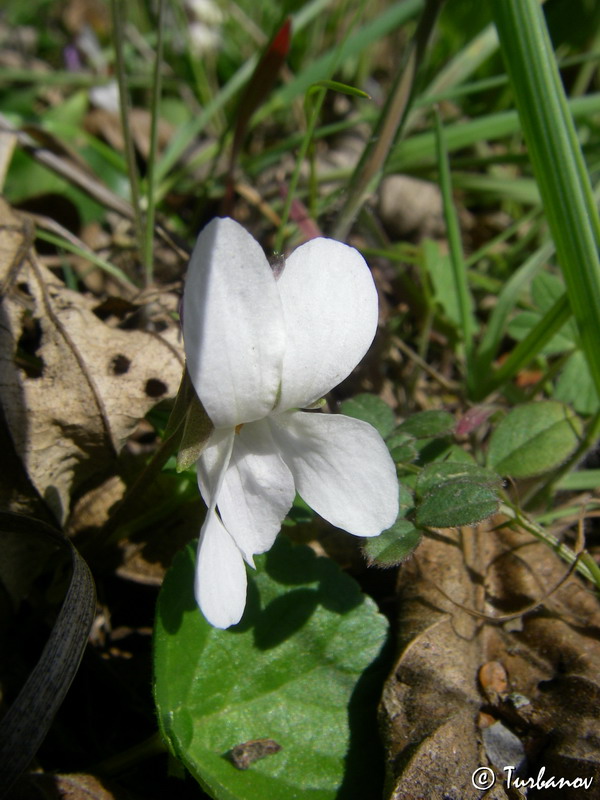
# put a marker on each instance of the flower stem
(584, 563)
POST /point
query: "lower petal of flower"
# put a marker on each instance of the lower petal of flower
(341, 468)
(220, 584)
(213, 462)
(257, 490)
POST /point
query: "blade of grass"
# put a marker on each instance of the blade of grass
(117, 10)
(148, 252)
(420, 149)
(557, 162)
(459, 271)
(507, 299)
(322, 68)
(369, 169)
(89, 255)
(189, 132)
(315, 101)
(259, 87)
(26, 723)
(529, 347)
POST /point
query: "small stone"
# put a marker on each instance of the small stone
(245, 754)
(410, 207)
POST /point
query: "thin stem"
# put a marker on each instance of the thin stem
(568, 555)
(291, 192)
(124, 761)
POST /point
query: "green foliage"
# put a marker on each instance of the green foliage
(426, 424)
(456, 493)
(533, 439)
(393, 546)
(575, 385)
(302, 668)
(402, 447)
(434, 475)
(546, 290)
(371, 409)
(455, 503)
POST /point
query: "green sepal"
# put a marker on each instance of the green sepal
(196, 433)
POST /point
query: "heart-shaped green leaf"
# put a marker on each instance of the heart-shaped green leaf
(300, 671)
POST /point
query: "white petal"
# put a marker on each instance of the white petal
(257, 490)
(330, 311)
(232, 325)
(212, 465)
(342, 469)
(220, 585)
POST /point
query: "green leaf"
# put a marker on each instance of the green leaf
(302, 669)
(407, 501)
(546, 290)
(371, 409)
(427, 424)
(441, 472)
(402, 448)
(533, 439)
(393, 546)
(525, 322)
(439, 268)
(456, 503)
(197, 430)
(456, 454)
(576, 386)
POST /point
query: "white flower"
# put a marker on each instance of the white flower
(258, 349)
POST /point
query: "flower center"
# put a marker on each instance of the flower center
(239, 427)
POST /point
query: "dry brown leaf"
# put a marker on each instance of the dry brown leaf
(107, 124)
(79, 786)
(72, 388)
(432, 702)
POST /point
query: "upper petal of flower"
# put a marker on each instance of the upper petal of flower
(220, 583)
(232, 325)
(330, 311)
(257, 490)
(341, 468)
